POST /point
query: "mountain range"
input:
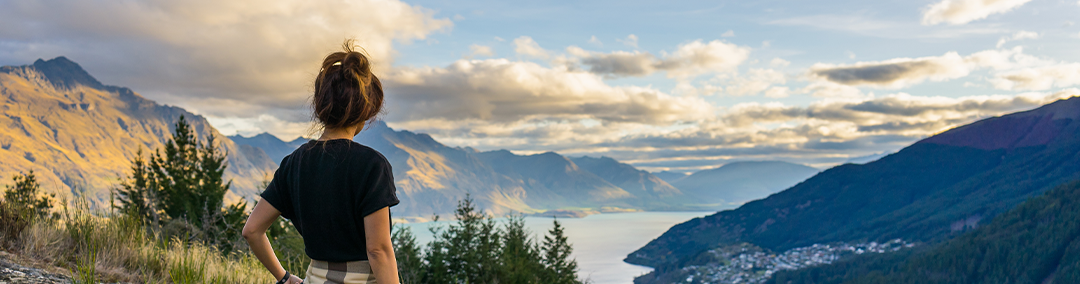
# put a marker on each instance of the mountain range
(79, 135)
(432, 177)
(929, 192)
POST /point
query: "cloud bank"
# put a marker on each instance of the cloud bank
(218, 58)
(958, 12)
(501, 91)
(906, 72)
(689, 59)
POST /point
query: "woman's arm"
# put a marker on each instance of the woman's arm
(254, 232)
(379, 249)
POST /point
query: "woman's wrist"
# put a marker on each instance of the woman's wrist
(285, 278)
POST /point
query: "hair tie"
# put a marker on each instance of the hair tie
(336, 63)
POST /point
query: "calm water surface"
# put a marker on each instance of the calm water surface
(600, 241)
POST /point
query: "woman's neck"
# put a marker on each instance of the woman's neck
(339, 133)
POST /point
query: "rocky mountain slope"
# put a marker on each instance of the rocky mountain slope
(79, 134)
(930, 191)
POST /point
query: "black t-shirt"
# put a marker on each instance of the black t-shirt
(326, 188)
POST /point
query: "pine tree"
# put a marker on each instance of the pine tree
(184, 182)
(25, 195)
(409, 259)
(561, 269)
(190, 176)
(468, 251)
(136, 192)
(520, 253)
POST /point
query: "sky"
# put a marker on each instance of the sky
(662, 85)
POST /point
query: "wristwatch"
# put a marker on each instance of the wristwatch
(284, 279)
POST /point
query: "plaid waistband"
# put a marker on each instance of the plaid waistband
(327, 272)
(359, 266)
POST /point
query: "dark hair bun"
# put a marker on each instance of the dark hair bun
(346, 92)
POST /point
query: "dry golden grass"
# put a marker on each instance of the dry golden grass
(118, 248)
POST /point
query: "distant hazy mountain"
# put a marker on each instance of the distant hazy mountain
(76, 133)
(431, 177)
(735, 183)
(274, 147)
(867, 158)
(670, 177)
(551, 173)
(652, 191)
(928, 192)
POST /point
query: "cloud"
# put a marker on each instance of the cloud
(503, 91)
(826, 132)
(729, 33)
(249, 126)
(958, 12)
(904, 72)
(689, 59)
(777, 92)
(596, 41)
(871, 25)
(826, 89)
(262, 54)
(526, 107)
(481, 50)
(1039, 78)
(1017, 36)
(621, 63)
(779, 63)
(631, 41)
(897, 72)
(527, 46)
(756, 81)
(698, 57)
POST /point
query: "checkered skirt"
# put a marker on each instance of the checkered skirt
(353, 272)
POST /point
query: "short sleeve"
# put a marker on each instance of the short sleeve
(380, 189)
(277, 192)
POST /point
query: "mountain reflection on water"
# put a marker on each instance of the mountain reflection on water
(600, 241)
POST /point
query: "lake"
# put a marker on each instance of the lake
(600, 241)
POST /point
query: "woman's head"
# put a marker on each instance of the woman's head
(346, 92)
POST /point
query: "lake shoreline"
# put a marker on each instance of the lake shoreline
(561, 213)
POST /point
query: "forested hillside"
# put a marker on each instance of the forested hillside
(1037, 242)
(927, 192)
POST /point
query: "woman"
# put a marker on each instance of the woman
(337, 192)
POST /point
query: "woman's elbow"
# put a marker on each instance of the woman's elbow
(380, 252)
(250, 232)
